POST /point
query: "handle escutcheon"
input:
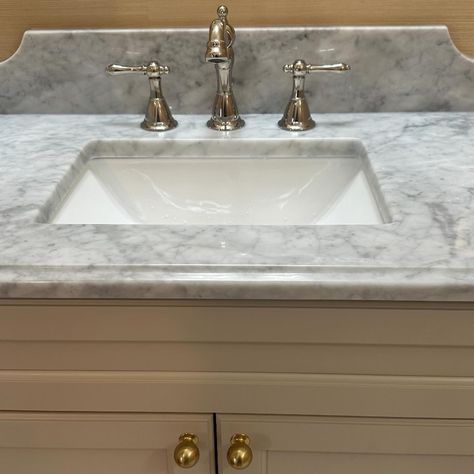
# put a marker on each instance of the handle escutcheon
(239, 454)
(186, 454)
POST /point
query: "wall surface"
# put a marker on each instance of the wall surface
(18, 15)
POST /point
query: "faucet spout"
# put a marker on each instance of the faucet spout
(217, 48)
(225, 115)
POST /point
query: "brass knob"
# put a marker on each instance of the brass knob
(239, 455)
(186, 454)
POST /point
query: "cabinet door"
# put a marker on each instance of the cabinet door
(100, 443)
(308, 445)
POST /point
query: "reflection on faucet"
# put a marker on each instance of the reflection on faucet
(225, 115)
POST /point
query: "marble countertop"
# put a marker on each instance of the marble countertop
(424, 164)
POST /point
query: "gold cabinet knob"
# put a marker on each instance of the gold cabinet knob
(186, 454)
(239, 455)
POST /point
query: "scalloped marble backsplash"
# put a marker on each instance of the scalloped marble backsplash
(394, 69)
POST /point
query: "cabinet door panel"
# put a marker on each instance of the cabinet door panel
(306, 445)
(339, 463)
(83, 461)
(100, 443)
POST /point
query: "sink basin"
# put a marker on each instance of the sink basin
(223, 182)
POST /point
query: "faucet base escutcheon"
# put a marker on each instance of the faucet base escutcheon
(225, 126)
(158, 116)
(297, 117)
(225, 115)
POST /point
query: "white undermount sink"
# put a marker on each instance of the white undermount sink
(223, 182)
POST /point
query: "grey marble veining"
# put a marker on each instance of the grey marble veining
(423, 163)
(395, 69)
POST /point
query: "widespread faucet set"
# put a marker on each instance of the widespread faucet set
(225, 115)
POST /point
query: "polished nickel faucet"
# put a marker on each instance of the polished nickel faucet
(158, 116)
(297, 117)
(225, 115)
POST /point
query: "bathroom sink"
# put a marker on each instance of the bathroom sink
(223, 182)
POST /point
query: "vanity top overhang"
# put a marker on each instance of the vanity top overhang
(422, 162)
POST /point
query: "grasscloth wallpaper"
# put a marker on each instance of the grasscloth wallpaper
(18, 15)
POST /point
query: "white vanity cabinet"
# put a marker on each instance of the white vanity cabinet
(99, 387)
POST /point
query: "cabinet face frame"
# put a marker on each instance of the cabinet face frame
(389, 359)
(364, 338)
(297, 406)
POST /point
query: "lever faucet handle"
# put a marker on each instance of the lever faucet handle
(301, 68)
(297, 116)
(152, 69)
(158, 117)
